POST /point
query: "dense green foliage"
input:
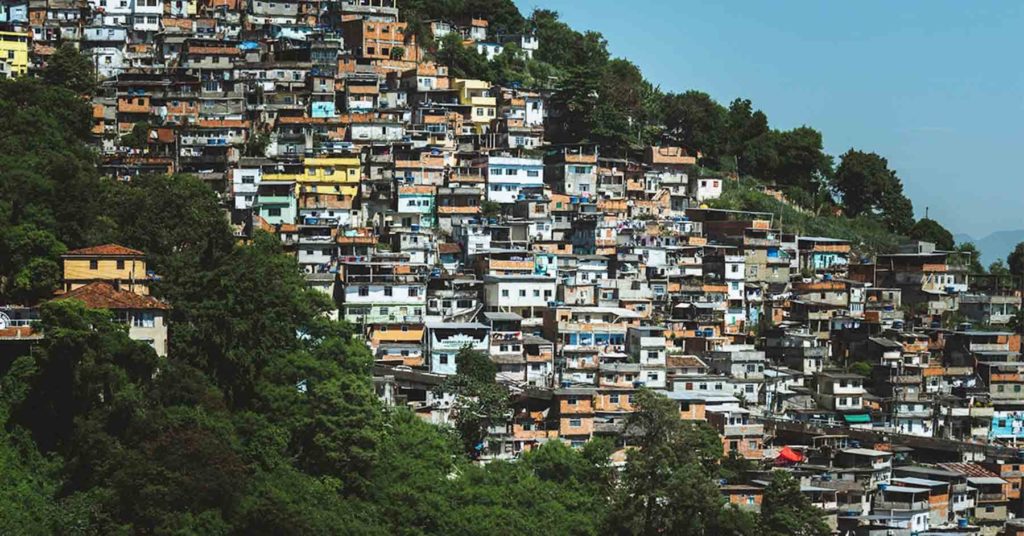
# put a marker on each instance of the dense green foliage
(1015, 261)
(867, 233)
(930, 230)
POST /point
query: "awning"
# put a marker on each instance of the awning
(788, 455)
(857, 419)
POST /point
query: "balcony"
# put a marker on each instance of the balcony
(912, 506)
(652, 342)
(482, 101)
(761, 242)
(743, 430)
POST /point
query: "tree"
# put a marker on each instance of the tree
(970, 251)
(490, 209)
(462, 61)
(802, 161)
(1015, 261)
(48, 176)
(574, 106)
(861, 367)
(929, 230)
(565, 48)
(786, 511)
(744, 124)
(71, 69)
(85, 363)
(138, 138)
(175, 219)
(867, 186)
(509, 498)
(29, 264)
(232, 319)
(695, 121)
(480, 401)
(666, 486)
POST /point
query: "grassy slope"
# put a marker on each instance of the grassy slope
(867, 234)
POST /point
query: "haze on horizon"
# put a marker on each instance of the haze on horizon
(930, 85)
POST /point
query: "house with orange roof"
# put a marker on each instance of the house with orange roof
(123, 268)
(145, 316)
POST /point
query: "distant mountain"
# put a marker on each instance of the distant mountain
(994, 246)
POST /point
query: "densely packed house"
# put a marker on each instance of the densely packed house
(436, 215)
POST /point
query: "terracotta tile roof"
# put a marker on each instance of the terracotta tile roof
(101, 295)
(458, 210)
(222, 123)
(967, 469)
(687, 361)
(448, 248)
(112, 250)
(20, 332)
(227, 51)
(415, 189)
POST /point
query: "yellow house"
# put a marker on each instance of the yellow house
(13, 54)
(476, 95)
(122, 267)
(329, 175)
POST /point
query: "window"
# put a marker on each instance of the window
(575, 423)
(522, 293)
(364, 291)
(533, 173)
(734, 445)
(536, 294)
(572, 400)
(613, 399)
(443, 359)
(120, 264)
(388, 291)
(652, 376)
(752, 445)
(144, 319)
(274, 212)
(510, 172)
(652, 355)
(414, 292)
(94, 265)
(504, 293)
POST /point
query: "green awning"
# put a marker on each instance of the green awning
(857, 419)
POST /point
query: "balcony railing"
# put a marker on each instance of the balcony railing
(902, 505)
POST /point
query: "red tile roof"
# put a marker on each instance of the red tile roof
(100, 295)
(967, 469)
(446, 248)
(106, 250)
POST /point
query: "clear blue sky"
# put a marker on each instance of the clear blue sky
(935, 86)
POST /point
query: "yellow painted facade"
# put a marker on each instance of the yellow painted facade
(128, 273)
(474, 93)
(14, 53)
(339, 176)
